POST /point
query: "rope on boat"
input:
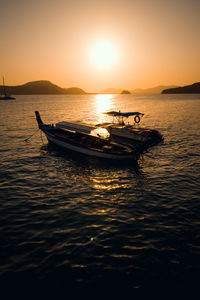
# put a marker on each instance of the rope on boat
(41, 137)
(26, 140)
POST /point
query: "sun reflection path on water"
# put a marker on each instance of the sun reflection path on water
(103, 103)
(108, 184)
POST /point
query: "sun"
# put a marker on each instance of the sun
(104, 54)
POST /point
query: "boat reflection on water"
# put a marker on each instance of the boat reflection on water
(91, 163)
(107, 181)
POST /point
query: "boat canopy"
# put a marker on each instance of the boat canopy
(76, 126)
(120, 114)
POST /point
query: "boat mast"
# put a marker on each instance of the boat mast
(4, 88)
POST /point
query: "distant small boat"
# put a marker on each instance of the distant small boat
(6, 96)
(77, 138)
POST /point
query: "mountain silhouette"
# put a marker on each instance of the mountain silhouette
(42, 87)
(187, 89)
(154, 90)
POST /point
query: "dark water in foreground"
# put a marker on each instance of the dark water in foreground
(70, 222)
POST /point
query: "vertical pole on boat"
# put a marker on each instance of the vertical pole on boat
(4, 88)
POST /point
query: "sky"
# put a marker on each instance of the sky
(99, 44)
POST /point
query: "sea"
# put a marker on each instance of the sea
(73, 223)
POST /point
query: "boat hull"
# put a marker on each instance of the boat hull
(140, 136)
(128, 134)
(85, 151)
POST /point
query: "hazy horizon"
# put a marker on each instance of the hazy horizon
(95, 45)
(116, 90)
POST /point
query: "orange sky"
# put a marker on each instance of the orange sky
(151, 42)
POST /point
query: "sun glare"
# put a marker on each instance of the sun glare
(104, 54)
(103, 103)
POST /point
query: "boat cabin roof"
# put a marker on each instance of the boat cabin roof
(87, 128)
(120, 114)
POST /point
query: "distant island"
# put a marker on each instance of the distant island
(187, 89)
(125, 92)
(42, 87)
(154, 90)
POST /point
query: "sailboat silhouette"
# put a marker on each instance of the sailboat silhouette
(5, 95)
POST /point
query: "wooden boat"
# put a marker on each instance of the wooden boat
(130, 134)
(6, 96)
(76, 137)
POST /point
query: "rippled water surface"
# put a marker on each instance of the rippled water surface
(77, 222)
